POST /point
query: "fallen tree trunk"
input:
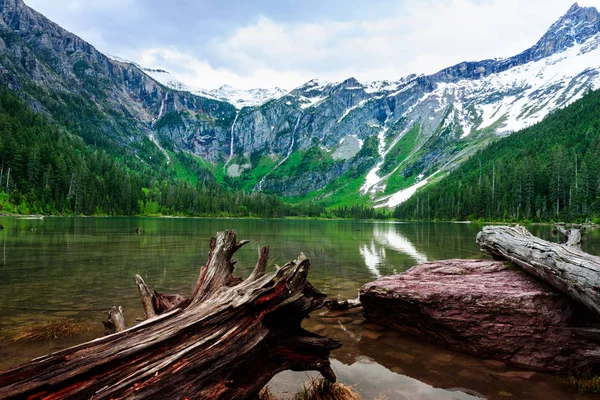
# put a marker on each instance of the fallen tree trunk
(564, 266)
(225, 341)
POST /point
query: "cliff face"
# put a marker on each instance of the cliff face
(69, 79)
(454, 112)
(381, 136)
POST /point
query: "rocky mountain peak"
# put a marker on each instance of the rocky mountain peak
(574, 8)
(577, 21)
(576, 26)
(15, 14)
(11, 5)
(351, 83)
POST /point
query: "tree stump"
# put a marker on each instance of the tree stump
(225, 341)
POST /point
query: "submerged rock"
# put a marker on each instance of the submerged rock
(486, 308)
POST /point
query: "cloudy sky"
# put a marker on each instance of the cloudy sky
(267, 43)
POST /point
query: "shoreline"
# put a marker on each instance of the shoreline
(295, 218)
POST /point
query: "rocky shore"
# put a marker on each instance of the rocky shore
(486, 308)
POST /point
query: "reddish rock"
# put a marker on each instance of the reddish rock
(373, 335)
(484, 308)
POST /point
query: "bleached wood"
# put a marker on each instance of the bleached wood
(564, 266)
(225, 341)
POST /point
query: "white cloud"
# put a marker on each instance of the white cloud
(421, 37)
(413, 37)
(200, 74)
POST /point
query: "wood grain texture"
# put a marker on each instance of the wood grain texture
(225, 341)
(564, 266)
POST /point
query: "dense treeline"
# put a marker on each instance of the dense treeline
(550, 171)
(360, 212)
(44, 169)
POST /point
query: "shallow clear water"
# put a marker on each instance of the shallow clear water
(77, 268)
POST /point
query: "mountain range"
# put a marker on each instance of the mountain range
(331, 142)
(238, 97)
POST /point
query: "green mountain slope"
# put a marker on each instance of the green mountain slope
(46, 169)
(548, 171)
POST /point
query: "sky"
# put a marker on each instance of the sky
(284, 43)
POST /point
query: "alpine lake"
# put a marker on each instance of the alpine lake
(76, 269)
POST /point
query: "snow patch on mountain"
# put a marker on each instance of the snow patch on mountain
(165, 78)
(524, 95)
(402, 195)
(373, 179)
(504, 102)
(310, 101)
(247, 98)
(121, 60)
(239, 98)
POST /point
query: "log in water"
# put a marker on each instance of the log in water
(225, 341)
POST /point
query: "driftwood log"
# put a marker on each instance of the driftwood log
(225, 341)
(572, 235)
(564, 266)
(116, 320)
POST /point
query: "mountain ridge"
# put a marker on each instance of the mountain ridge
(377, 138)
(237, 97)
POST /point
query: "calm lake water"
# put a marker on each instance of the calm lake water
(77, 268)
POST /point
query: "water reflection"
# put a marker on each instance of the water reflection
(372, 380)
(77, 268)
(392, 238)
(374, 256)
(388, 236)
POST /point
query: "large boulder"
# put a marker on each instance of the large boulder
(486, 308)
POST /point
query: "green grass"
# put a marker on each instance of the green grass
(398, 182)
(299, 162)
(343, 191)
(401, 150)
(184, 173)
(249, 178)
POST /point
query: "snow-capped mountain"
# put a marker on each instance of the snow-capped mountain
(159, 75)
(246, 98)
(238, 97)
(456, 110)
(165, 78)
(380, 139)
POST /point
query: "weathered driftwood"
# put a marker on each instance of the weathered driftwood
(146, 297)
(225, 341)
(572, 235)
(564, 266)
(116, 320)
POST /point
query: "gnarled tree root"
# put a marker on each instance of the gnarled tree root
(225, 341)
